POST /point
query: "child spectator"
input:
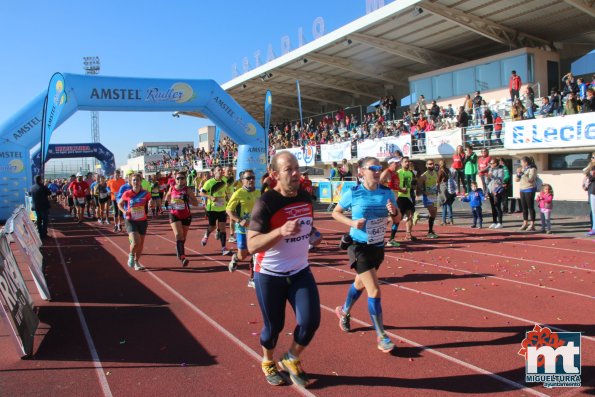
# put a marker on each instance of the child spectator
(475, 198)
(544, 201)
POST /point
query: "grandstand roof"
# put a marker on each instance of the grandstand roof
(374, 55)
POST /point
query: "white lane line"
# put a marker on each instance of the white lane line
(495, 277)
(549, 247)
(208, 319)
(575, 267)
(432, 351)
(96, 361)
(451, 359)
(532, 322)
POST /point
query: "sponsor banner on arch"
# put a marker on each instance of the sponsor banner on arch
(384, 148)
(306, 155)
(551, 132)
(443, 142)
(335, 152)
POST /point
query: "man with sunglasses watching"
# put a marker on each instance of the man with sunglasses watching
(239, 209)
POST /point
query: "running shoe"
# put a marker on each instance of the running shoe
(492, 226)
(409, 237)
(232, 239)
(233, 265)
(473, 226)
(392, 243)
(531, 229)
(131, 261)
(251, 283)
(548, 232)
(591, 232)
(184, 260)
(385, 345)
(271, 373)
(344, 319)
(138, 266)
(498, 226)
(294, 367)
(432, 235)
(415, 217)
(100, 221)
(225, 251)
(204, 240)
(523, 227)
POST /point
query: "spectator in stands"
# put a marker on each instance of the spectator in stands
(498, 123)
(570, 84)
(477, 100)
(517, 111)
(434, 111)
(570, 106)
(582, 91)
(450, 112)
(547, 108)
(488, 127)
(589, 102)
(468, 105)
(556, 101)
(514, 86)
(462, 118)
(335, 174)
(421, 106)
(345, 171)
(530, 102)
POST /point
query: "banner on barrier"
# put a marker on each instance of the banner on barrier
(551, 132)
(15, 300)
(306, 155)
(339, 186)
(29, 242)
(324, 191)
(443, 142)
(335, 152)
(384, 148)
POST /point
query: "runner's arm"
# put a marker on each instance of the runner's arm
(260, 242)
(192, 198)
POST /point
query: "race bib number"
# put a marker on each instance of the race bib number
(178, 204)
(102, 195)
(219, 201)
(80, 200)
(375, 229)
(137, 213)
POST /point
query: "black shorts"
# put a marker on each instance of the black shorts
(405, 205)
(103, 200)
(185, 222)
(78, 203)
(70, 201)
(161, 195)
(363, 257)
(215, 216)
(88, 198)
(139, 227)
(117, 211)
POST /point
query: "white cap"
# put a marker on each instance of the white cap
(394, 160)
(79, 174)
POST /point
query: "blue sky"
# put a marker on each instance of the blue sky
(174, 39)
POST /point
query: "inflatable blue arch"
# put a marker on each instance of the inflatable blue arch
(22, 133)
(76, 150)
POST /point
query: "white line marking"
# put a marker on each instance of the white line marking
(496, 277)
(79, 311)
(532, 322)
(432, 351)
(208, 319)
(451, 359)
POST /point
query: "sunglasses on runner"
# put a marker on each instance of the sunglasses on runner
(250, 178)
(374, 168)
(180, 178)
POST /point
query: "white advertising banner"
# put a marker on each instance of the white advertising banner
(551, 132)
(335, 152)
(384, 148)
(443, 142)
(306, 155)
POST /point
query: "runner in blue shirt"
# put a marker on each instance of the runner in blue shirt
(368, 203)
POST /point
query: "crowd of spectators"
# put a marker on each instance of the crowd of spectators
(423, 117)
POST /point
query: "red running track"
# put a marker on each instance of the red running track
(458, 308)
